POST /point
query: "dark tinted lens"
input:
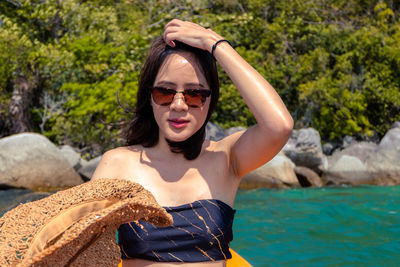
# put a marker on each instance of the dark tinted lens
(162, 96)
(196, 97)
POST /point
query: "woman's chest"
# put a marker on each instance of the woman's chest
(174, 183)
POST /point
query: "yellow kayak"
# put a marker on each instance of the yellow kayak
(235, 261)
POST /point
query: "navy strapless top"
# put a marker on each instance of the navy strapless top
(202, 231)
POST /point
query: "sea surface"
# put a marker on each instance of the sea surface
(346, 226)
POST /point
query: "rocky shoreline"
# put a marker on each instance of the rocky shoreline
(31, 161)
(305, 162)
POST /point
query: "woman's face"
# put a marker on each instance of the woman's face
(178, 120)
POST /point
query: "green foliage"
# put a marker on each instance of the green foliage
(336, 64)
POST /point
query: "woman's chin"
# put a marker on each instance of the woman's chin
(177, 138)
(178, 135)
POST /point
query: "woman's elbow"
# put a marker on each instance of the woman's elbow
(285, 128)
(288, 124)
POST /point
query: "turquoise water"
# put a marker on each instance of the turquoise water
(350, 226)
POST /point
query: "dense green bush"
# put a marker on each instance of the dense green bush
(336, 63)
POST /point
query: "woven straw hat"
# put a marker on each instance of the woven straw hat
(77, 226)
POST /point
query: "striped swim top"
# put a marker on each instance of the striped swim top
(201, 231)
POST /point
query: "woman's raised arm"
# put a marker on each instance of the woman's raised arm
(263, 141)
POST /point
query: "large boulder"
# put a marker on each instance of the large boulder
(396, 124)
(384, 164)
(391, 140)
(308, 177)
(30, 160)
(360, 150)
(214, 132)
(367, 162)
(73, 157)
(88, 168)
(384, 167)
(277, 173)
(304, 149)
(290, 145)
(348, 170)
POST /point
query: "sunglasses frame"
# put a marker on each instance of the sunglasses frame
(203, 93)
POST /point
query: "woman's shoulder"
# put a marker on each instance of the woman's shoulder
(120, 155)
(116, 163)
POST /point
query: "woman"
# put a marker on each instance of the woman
(195, 180)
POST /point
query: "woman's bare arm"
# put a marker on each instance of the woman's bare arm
(263, 141)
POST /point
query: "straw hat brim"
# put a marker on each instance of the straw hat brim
(77, 226)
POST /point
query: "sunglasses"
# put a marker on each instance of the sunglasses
(194, 98)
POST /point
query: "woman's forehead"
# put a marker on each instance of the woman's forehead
(181, 66)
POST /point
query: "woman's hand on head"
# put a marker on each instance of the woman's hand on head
(190, 33)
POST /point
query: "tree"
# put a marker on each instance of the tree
(334, 63)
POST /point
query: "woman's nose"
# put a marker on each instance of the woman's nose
(178, 103)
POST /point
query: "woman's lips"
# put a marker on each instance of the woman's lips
(178, 123)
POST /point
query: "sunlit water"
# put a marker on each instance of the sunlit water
(351, 226)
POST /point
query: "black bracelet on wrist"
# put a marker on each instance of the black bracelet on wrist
(216, 43)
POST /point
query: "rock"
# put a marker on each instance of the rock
(384, 166)
(348, 170)
(73, 157)
(88, 168)
(277, 173)
(308, 177)
(30, 160)
(360, 150)
(233, 130)
(348, 163)
(367, 162)
(396, 124)
(308, 137)
(214, 132)
(290, 146)
(391, 140)
(347, 141)
(306, 150)
(329, 147)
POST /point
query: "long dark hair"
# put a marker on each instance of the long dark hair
(143, 128)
